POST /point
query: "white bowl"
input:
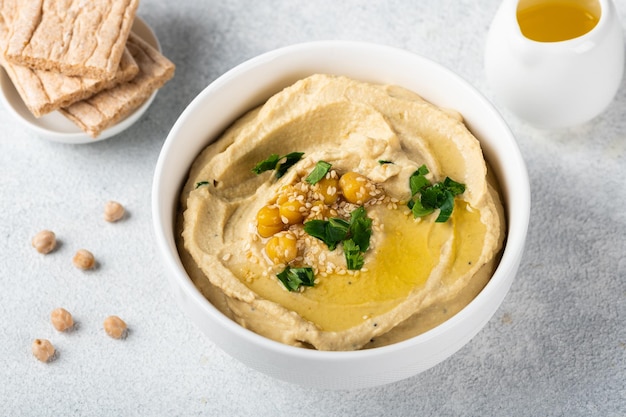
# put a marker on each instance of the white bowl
(250, 84)
(56, 127)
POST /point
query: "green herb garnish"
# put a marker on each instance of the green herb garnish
(354, 235)
(272, 162)
(331, 231)
(418, 180)
(360, 228)
(427, 197)
(359, 242)
(293, 278)
(201, 183)
(384, 161)
(353, 254)
(267, 165)
(319, 172)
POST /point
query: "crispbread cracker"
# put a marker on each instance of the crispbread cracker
(95, 114)
(7, 12)
(46, 91)
(74, 37)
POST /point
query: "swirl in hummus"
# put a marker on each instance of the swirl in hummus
(415, 273)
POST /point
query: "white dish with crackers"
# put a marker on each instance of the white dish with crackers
(82, 109)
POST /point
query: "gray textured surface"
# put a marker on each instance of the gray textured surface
(557, 346)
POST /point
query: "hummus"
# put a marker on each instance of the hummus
(415, 272)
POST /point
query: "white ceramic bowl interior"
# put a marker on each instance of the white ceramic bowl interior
(56, 127)
(250, 84)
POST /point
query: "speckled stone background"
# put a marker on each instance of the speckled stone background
(557, 345)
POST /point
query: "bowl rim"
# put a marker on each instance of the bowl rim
(507, 263)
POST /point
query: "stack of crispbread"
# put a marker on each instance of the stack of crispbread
(79, 57)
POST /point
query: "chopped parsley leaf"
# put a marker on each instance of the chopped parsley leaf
(319, 172)
(272, 162)
(418, 180)
(294, 278)
(353, 254)
(331, 231)
(354, 235)
(427, 197)
(267, 164)
(360, 228)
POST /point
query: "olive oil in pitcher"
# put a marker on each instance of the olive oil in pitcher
(557, 20)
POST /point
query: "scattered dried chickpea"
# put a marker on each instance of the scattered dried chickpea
(269, 221)
(113, 211)
(83, 259)
(115, 327)
(354, 187)
(61, 319)
(282, 248)
(43, 350)
(44, 241)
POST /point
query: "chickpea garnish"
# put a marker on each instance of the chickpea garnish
(113, 211)
(288, 192)
(328, 188)
(354, 187)
(282, 248)
(61, 319)
(83, 259)
(44, 241)
(43, 350)
(269, 221)
(291, 212)
(115, 327)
